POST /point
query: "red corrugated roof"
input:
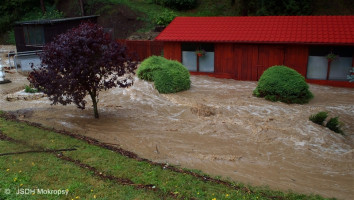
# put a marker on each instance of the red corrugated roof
(264, 29)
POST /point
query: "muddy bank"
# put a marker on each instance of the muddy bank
(220, 128)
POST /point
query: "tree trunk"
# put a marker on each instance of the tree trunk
(81, 4)
(328, 68)
(95, 110)
(244, 7)
(94, 104)
(42, 6)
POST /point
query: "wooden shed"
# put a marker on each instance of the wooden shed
(243, 47)
(32, 35)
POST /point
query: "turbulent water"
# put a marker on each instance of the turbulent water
(219, 127)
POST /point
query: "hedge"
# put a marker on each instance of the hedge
(169, 76)
(280, 83)
(148, 67)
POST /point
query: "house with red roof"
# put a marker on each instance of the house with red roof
(321, 48)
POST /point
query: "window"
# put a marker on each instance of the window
(320, 68)
(34, 35)
(195, 63)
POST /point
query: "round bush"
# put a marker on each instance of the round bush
(165, 18)
(280, 83)
(149, 66)
(174, 77)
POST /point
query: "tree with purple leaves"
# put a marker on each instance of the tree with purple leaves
(82, 61)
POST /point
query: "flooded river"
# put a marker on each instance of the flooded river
(220, 128)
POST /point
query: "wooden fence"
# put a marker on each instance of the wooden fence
(141, 49)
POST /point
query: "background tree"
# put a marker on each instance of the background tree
(11, 11)
(275, 7)
(43, 6)
(81, 5)
(82, 61)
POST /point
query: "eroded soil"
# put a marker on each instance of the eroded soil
(218, 127)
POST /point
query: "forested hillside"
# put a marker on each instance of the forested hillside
(128, 16)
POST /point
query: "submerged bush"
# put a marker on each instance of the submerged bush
(319, 118)
(169, 76)
(280, 83)
(29, 89)
(149, 66)
(172, 78)
(334, 125)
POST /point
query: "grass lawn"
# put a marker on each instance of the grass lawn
(152, 10)
(94, 172)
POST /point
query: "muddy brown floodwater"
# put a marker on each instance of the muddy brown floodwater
(220, 128)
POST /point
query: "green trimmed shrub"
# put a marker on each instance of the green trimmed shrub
(334, 125)
(149, 66)
(169, 76)
(165, 18)
(172, 78)
(280, 83)
(319, 118)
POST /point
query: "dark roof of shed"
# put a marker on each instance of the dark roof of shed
(262, 29)
(52, 21)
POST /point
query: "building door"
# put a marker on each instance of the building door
(268, 56)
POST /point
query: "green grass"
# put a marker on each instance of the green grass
(47, 171)
(151, 10)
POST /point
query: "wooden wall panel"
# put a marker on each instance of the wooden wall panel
(254, 63)
(223, 59)
(296, 57)
(172, 51)
(156, 48)
(141, 49)
(245, 59)
(20, 39)
(269, 55)
(251, 55)
(238, 60)
(263, 60)
(246, 70)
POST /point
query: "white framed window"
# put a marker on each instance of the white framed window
(195, 63)
(319, 67)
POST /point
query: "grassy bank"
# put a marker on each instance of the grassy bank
(222, 8)
(151, 10)
(98, 171)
